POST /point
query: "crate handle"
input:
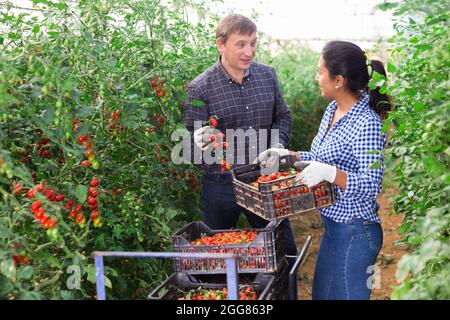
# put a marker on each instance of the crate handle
(301, 165)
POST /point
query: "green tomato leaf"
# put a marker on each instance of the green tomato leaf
(81, 193)
(48, 115)
(375, 165)
(198, 103)
(25, 273)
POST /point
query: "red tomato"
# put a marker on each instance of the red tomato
(40, 187)
(30, 194)
(94, 183)
(18, 189)
(43, 219)
(50, 224)
(69, 204)
(213, 122)
(94, 215)
(92, 201)
(36, 205)
(85, 163)
(79, 217)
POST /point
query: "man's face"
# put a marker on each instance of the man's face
(239, 50)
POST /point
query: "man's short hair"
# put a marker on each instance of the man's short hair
(234, 23)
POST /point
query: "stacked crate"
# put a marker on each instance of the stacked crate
(261, 259)
(181, 283)
(263, 262)
(265, 253)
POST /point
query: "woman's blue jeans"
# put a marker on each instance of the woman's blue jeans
(220, 210)
(346, 259)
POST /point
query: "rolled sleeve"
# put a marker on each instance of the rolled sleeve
(366, 183)
(306, 156)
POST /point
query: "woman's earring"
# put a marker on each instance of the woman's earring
(337, 87)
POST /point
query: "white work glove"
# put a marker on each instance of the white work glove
(315, 173)
(202, 136)
(270, 157)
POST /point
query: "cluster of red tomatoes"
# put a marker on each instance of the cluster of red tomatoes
(321, 195)
(221, 238)
(298, 190)
(219, 140)
(158, 84)
(42, 148)
(247, 293)
(37, 207)
(85, 141)
(76, 212)
(21, 260)
(114, 120)
(157, 121)
(192, 182)
(275, 176)
(88, 154)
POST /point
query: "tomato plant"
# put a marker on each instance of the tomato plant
(419, 156)
(90, 93)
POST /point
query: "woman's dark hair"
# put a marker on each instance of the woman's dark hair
(348, 60)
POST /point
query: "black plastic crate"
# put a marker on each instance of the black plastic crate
(264, 254)
(176, 286)
(279, 198)
(280, 287)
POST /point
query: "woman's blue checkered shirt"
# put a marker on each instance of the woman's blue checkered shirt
(354, 144)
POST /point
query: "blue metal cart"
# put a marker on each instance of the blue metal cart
(231, 269)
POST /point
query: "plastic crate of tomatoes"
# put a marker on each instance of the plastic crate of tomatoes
(260, 250)
(279, 289)
(182, 286)
(276, 196)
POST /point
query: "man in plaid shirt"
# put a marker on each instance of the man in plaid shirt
(245, 96)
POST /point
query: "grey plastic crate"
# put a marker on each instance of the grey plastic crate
(279, 289)
(265, 253)
(271, 202)
(180, 282)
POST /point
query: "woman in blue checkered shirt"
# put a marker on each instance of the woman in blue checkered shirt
(347, 151)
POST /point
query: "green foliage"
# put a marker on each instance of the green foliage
(296, 68)
(101, 83)
(85, 69)
(420, 150)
